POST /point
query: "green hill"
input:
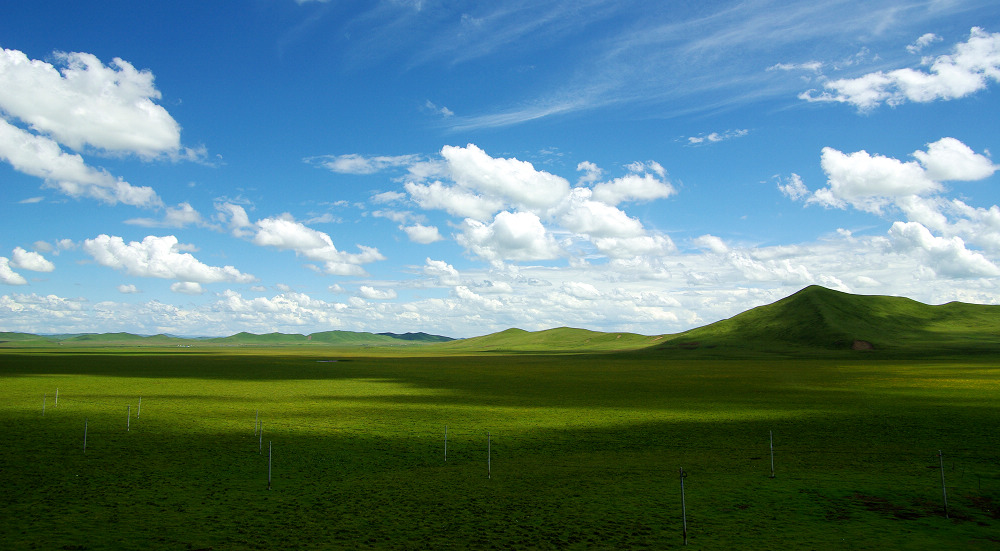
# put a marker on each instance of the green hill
(561, 339)
(821, 319)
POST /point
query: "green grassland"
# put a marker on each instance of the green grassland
(584, 451)
(559, 439)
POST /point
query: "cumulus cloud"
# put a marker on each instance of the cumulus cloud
(28, 260)
(284, 233)
(371, 293)
(511, 236)
(9, 276)
(946, 256)
(128, 289)
(235, 217)
(711, 243)
(591, 173)
(872, 182)
(158, 257)
(580, 214)
(515, 181)
(455, 201)
(869, 182)
(86, 103)
(42, 157)
(969, 69)
(419, 233)
(187, 288)
(950, 159)
(511, 209)
(633, 187)
(445, 273)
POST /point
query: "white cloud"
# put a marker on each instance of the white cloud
(715, 137)
(922, 42)
(371, 293)
(582, 215)
(359, 164)
(128, 289)
(85, 103)
(443, 111)
(287, 234)
(158, 257)
(946, 256)
(445, 273)
(43, 158)
(950, 159)
(9, 276)
(969, 69)
(793, 188)
(591, 173)
(813, 66)
(388, 197)
(27, 260)
(711, 243)
(581, 290)
(175, 217)
(869, 182)
(454, 200)
(515, 181)
(633, 187)
(187, 288)
(422, 234)
(630, 247)
(235, 217)
(511, 236)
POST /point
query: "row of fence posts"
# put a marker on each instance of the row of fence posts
(259, 432)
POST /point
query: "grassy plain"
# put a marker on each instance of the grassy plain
(584, 450)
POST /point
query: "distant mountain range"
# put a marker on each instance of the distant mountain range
(815, 320)
(341, 338)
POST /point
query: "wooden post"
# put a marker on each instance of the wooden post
(260, 442)
(944, 491)
(128, 420)
(268, 464)
(771, 436)
(446, 443)
(489, 455)
(684, 508)
(84, 435)
(57, 397)
(139, 410)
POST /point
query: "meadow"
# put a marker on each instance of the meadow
(544, 451)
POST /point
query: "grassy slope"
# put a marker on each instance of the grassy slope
(562, 339)
(819, 319)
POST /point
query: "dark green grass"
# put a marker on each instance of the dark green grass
(585, 452)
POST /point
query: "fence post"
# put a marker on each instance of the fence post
(684, 508)
(489, 456)
(268, 464)
(771, 436)
(85, 435)
(944, 491)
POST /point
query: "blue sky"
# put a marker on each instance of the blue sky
(205, 168)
